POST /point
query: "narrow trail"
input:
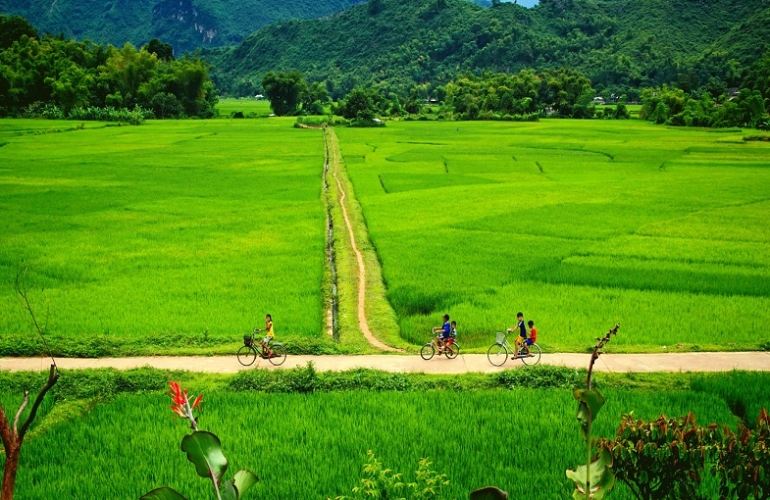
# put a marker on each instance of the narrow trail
(363, 323)
(471, 363)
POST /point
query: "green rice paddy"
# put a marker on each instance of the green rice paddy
(579, 224)
(178, 236)
(312, 446)
(162, 236)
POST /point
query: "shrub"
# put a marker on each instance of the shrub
(542, 376)
(379, 482)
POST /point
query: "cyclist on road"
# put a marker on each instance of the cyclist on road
(443, 333)
(522, 336)
(269, 334)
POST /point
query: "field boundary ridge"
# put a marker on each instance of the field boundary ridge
(362, 276)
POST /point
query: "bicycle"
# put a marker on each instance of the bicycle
(451, 349)
(497, 353)
(250, 350)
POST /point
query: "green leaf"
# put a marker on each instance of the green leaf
(593, 399)
(601, 477)
(205, 451)
(590, 404)
(163, 493)
(489, 493)
(244, 480)
(229, 491)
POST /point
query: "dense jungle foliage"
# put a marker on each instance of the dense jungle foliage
(186, 24)
(58, 78)
(620, 45)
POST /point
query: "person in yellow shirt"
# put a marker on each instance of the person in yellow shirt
(269, 334)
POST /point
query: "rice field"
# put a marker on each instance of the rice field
(313, 446)
(160, 237)
(579, 224)
(250, 107)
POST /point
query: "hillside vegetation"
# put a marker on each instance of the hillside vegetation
(619, 44)
(186, 24)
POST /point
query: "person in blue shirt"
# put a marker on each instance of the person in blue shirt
(443, 333)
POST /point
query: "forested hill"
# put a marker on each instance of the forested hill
(619, 44)
(185, 24)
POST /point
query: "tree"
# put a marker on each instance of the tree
(165, 105)
(314, 98)
(164, 51)
(12, 28)
(359, 105)
(284, 91)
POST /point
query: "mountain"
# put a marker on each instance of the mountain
(395, 44)
(185, 24)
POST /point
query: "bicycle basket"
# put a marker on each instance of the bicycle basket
(499, 337)
(247, 340)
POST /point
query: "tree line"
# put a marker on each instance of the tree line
(58, 78)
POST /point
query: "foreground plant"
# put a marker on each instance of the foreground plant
(204, 450)
(660, 459)
(594, 479)
(379, 482)
(743, 460)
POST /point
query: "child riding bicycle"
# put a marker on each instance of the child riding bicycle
(521, 338)
(444, 333)
(269, 334)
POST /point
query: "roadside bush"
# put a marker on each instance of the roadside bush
(542, 376)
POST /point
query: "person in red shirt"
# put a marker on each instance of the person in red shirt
(532, 333)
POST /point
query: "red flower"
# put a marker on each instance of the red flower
(181, 404)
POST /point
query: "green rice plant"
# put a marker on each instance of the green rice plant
(746, 393)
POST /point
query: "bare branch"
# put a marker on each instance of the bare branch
(18, 413)
(20, 284)
(53, 376)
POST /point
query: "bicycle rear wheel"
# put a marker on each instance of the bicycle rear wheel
(427, 351)
(452, 350)
(497, 354)
(246, 355)
(534, 355)
(279, 354)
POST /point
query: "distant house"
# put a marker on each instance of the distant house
(598, 100)
(259, 97)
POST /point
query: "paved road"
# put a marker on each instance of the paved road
(673, 362)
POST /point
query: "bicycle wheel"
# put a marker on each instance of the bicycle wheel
(452, 350)
(427, 351)
(247, 355)
(497, 354)
(279, 354)
(534, 355)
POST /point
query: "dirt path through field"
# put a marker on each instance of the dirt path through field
(334, 153)
(469, 363)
